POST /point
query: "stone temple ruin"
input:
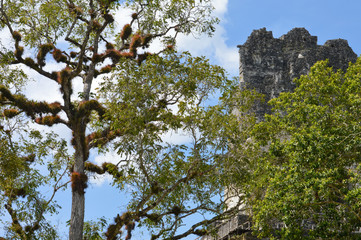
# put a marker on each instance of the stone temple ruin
(269, 65)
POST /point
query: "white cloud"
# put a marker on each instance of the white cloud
(42, 89)
(215, 47)
(176, 137)
(121, 17)
(5, 38)
(109, 157)
(98, 180)
(220, 7)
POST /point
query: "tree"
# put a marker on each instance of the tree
(141, 95)
(309, 171)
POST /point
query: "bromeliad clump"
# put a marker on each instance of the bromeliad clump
(127, 30)
(10, 113)
(59, 56)
(79, 182)
(43, 50)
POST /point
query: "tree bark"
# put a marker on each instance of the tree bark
(78, 197)
(77, 216)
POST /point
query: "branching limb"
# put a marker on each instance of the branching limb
(15, 220)
(34, 108)
(100, 139)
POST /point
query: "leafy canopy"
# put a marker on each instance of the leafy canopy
(309, 172)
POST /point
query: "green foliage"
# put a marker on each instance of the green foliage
(170, 181)
(93, 230)
(49, 21)
(39, 21)
(26, 167)
(309, 172)
(155, 15)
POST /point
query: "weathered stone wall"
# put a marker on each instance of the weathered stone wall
(269, 64)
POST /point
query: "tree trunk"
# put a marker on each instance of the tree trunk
(77, 216)
(78, 197)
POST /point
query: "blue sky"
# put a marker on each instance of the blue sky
(326, 19)
(329, 19)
